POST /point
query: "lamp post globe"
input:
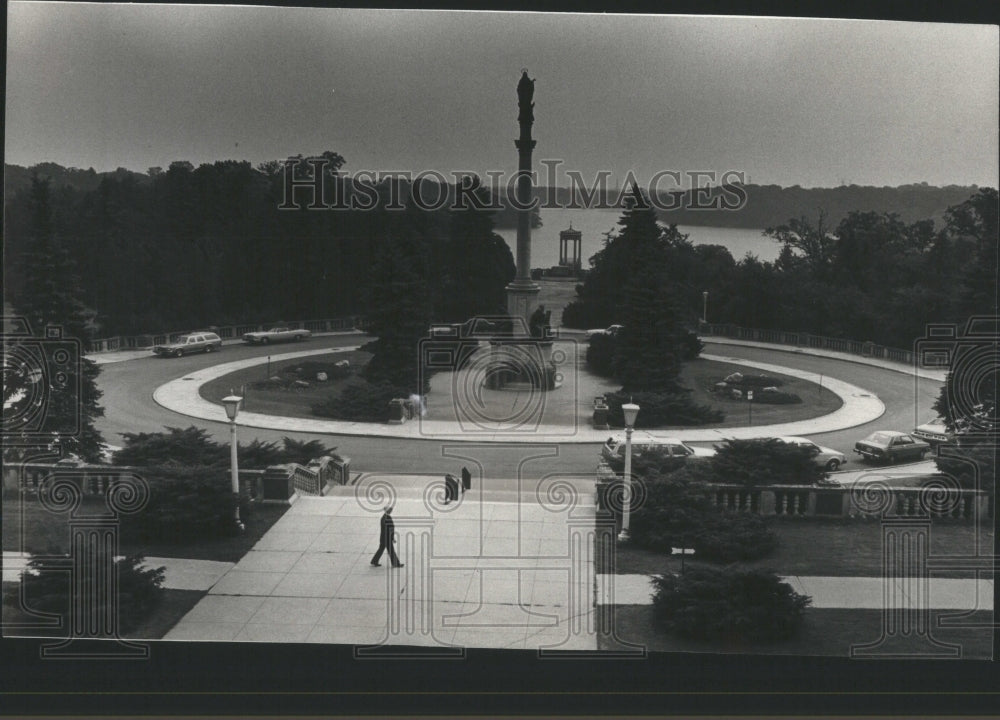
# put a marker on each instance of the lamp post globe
(232, 405)
(630, 411)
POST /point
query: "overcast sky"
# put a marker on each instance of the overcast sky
(807, 102)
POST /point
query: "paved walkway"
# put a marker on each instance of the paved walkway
(477, 573)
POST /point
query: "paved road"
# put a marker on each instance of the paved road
(129, 407)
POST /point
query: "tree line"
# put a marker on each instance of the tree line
(189, 247)
(872, 276)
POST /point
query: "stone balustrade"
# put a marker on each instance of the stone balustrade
(860, 501)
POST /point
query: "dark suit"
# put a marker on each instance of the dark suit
(450, 488)
(466, 479)
(388, 528)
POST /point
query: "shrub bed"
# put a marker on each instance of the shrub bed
(185, 503)
(763, 461)
(676, 510)
(729, 606)
(660, 409)
(362, 401)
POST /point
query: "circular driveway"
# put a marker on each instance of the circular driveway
(128, 388)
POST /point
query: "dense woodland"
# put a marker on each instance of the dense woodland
(187, 247)
(872, 276)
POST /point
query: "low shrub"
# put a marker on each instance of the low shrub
(730, 606)
(600, 354)
(764, 461)
(46, 587)
(739, 380)
(660, 409)
(676, 510)
(732, 537)
(192, 447)
(185, 504)
(362, 401)
(776, 397)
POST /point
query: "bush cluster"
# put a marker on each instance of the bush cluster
(186, 503)
(361, 401)
(601, 355)
(661, 408)
(192, 446)
(47, 587)
(677, 511)
(728, 606)
(763, 461)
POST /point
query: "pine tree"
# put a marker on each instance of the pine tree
(51, 297)
(399, 308)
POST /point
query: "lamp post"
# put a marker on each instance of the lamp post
(704, 306)
(630, 410)
(232, 403)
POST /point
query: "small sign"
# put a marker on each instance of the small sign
(749, 394)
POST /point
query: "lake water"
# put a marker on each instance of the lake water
(593, 224)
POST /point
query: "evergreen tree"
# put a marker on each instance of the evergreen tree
(476, 266)
(399, 299)
(50, 297)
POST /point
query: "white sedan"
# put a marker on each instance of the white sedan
(828, 458)
(611, 330)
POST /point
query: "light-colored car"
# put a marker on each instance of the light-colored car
(642, 441)
(891, 446)
(933, 432)
(190, 343)
(611, 330)
(827, 458)
(276, 334)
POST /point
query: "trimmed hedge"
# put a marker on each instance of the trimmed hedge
(730, 606)
(191, 446)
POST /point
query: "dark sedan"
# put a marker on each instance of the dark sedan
(890, 446)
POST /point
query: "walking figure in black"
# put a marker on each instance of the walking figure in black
(387, 539)
(466, 480)
(450, 488)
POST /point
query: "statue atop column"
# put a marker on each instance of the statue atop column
(525, 92)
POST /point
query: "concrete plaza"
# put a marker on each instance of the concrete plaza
(477, 573)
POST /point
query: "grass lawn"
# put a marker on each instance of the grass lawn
(823, 547)
(700, 377)
(292, 402)
(173, 605)
(32, 528)
(827, 632)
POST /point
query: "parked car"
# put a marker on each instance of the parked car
(191, 343)
(891, 446)
(933, 433)
(276, 334)
(611, 330)
(641, 442)
(827, 458)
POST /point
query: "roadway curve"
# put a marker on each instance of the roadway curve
(129, 407)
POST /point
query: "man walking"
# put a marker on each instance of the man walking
(388, 528)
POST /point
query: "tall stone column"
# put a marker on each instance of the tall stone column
(522, 293)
